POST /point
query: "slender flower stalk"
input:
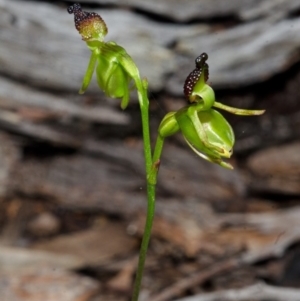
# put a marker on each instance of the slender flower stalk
(204, 129)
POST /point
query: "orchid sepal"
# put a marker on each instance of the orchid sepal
(237, 111)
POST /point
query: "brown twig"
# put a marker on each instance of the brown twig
(196, 279)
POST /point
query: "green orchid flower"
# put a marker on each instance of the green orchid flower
(115, 69)
(204, 129)
(207, 132)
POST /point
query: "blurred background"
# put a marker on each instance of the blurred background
(72, 188)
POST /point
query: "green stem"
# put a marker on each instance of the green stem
(145, 241)
(152, 176)
(158, 149)
(152, 167)
(144, 106)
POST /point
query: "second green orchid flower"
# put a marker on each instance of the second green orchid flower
(204, 129)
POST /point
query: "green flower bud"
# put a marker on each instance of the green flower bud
(168, 126)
